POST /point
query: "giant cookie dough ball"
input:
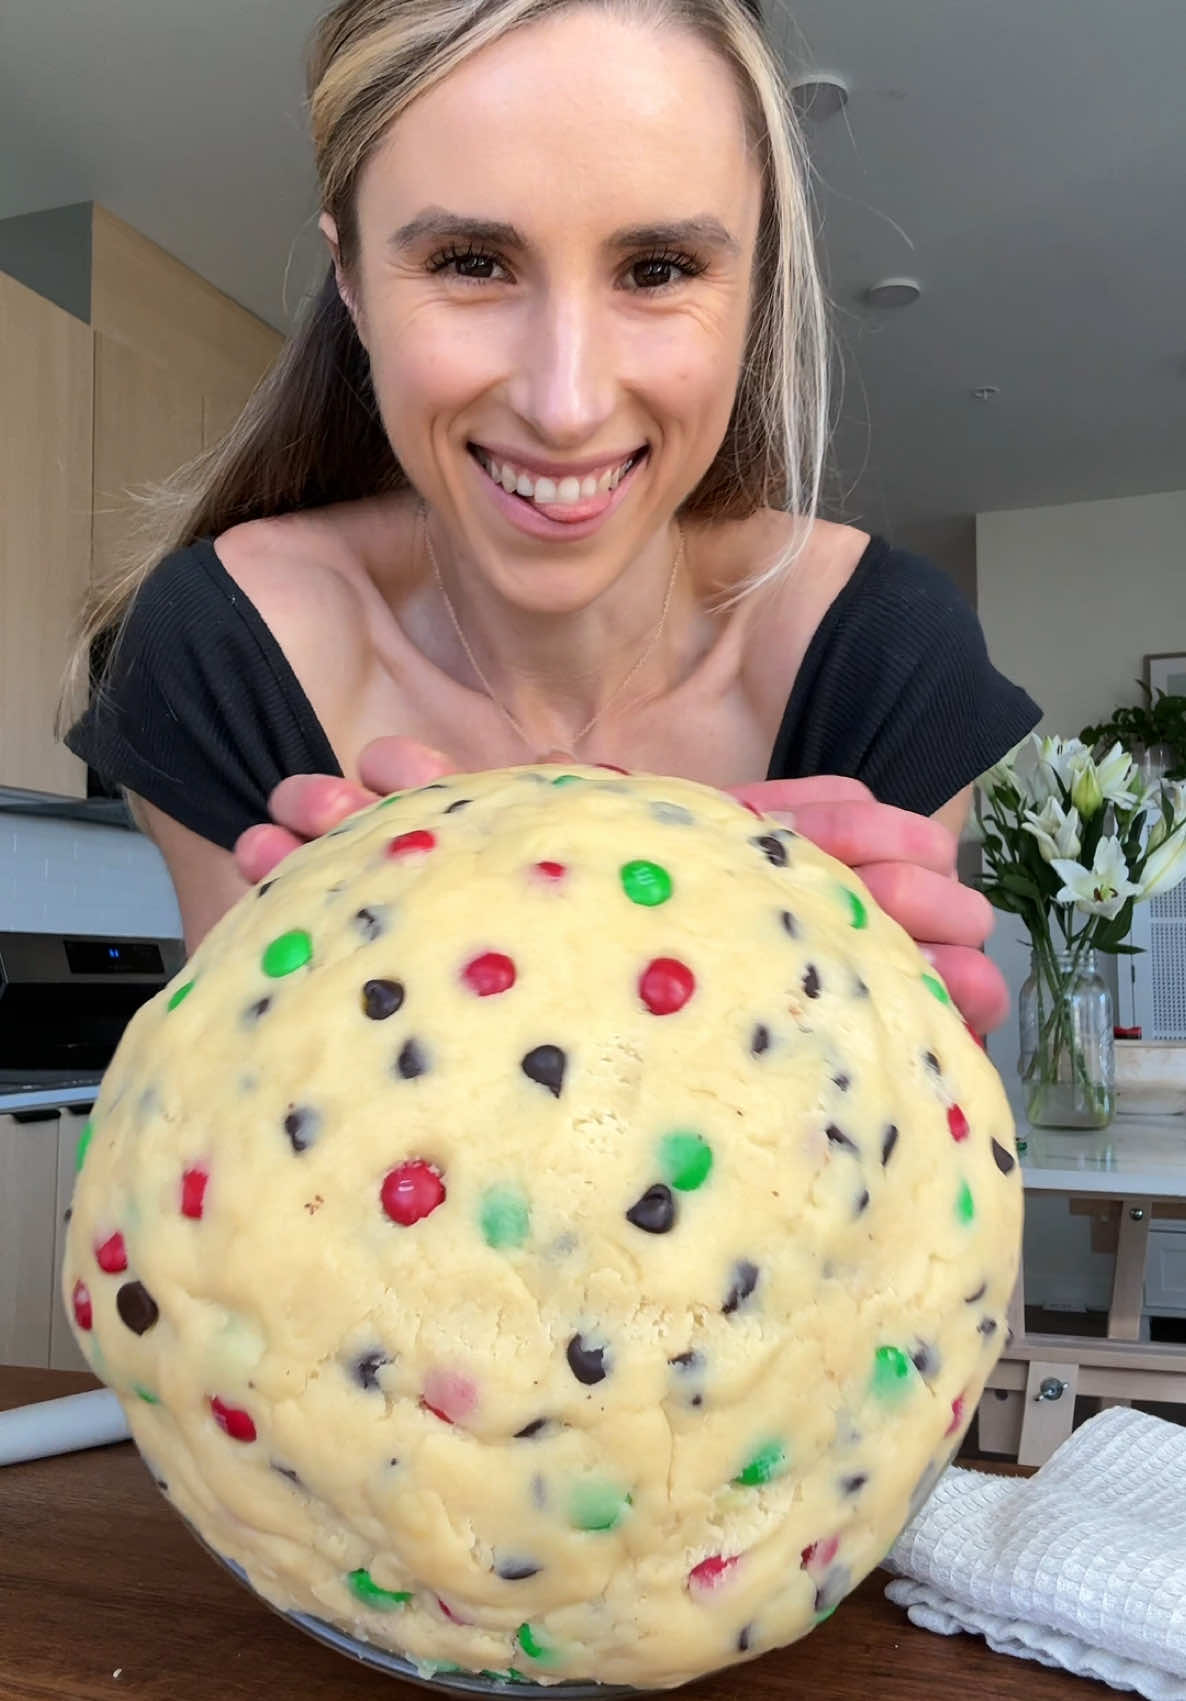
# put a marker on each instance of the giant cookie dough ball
(558, 1225)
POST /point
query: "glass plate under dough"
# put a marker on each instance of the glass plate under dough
(382, 1659)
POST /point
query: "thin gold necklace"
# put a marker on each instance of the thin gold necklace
(648, 650)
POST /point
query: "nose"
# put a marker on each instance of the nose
(563, 385)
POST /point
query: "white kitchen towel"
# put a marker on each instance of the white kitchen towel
(1082, 1566)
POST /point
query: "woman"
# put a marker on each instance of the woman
(539, 473)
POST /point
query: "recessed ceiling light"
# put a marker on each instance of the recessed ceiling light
(987, 392)
(893, 292)
(818, 97)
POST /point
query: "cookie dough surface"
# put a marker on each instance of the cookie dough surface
(557, 1225)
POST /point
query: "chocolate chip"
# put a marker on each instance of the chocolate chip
(790, 925)
(266, 887)
(925, 1360)
(687, 1361)
(973, 1298)
(459, 803)
(862, 1204)
(772, 849)
(672, 814)
(287, 1471)
(532, 1429)
(254, 1011)
(365, 1369)
(745, 1280)
(889, 1141)
(381, 998)
(837, 1137)
(161, 1484)
(854, 1484)
(437, 785)
(842, 1082)
(302, 1125)
(412, 1060)
(371, 923)
(545, 1064)
(136, 1307)
(516, 1570)
(743, 1639)
(1005, 1161)
(811, 981)
(586, 1363)
(68, 1213)
(654, 1213)
(759, 1040)
(932, 1062)
(987, 1326)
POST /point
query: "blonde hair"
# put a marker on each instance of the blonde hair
(311, 434)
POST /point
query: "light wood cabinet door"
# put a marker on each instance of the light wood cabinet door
(45, 528)
(63, 1348)
(148, 423)
(28, 1191)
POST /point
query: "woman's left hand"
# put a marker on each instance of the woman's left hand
(908, 863)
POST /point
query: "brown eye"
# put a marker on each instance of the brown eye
(660, 271)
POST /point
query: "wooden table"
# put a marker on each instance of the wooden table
(1122, 1177)
(104, 1593)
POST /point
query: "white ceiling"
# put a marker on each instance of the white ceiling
(1024, 159)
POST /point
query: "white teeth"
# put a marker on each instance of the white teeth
(554, 492)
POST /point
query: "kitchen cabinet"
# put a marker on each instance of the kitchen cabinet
(37, 1167)
(175, 361)
(91, 413)
(28, 1200)
(45, 527)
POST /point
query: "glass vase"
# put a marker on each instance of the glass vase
(1068, 1055)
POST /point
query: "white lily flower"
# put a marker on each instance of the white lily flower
(1104, 888)
(1086, 793)
(1167, 865)
(1056, 830)
(1118, 778)
(1033, 769)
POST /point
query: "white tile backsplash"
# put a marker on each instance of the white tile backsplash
(83, 877)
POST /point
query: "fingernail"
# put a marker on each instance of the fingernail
(784, 817)
(929, 954)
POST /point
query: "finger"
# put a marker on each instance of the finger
(400, 764)
(976, 985)
(929, 905)
(311, 804)
(782, 796)
(259, 849)
(859, 833)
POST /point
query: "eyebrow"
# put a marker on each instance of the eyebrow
(436, 224)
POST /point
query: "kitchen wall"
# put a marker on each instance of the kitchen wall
(117, 882)
(1071, 600)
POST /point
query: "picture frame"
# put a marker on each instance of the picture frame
(1166, 673)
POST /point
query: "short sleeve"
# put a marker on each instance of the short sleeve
(897, 689)
(199, 712)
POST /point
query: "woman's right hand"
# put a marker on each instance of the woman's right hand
(308, 805)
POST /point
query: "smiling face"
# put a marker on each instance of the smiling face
(555, 253)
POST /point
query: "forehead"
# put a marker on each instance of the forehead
(586, 113)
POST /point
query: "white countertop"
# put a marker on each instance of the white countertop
(1143, 1155)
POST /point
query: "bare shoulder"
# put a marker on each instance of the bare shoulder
(298, 574)
(780, 619)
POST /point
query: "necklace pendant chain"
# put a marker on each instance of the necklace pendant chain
(647, 652)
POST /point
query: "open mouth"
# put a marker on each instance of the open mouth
(542, 492)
